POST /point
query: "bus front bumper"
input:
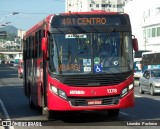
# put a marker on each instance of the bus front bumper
(57, 103)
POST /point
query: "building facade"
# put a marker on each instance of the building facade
(151, 27)
(145, 20)
(20, 37)
(90, 5)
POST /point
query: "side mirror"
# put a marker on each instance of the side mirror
(147, 77)
(135, 44)
(44, 44)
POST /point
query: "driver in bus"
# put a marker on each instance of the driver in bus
(105, 50)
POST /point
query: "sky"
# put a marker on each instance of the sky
(30, 11)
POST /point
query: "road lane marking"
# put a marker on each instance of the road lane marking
(5, 113)
(138, 96)
(123, 113)
(4, 110)
(11, 84)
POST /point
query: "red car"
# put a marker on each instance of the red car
(20, 68)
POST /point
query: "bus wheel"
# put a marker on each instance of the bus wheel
(49, 114)
(113, 112)
(45, 110)
(152, 90)
(140, 90)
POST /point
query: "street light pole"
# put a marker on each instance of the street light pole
(14, 13)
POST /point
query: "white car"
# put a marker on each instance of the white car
(150, 81)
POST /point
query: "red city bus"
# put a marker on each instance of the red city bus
(80, 61)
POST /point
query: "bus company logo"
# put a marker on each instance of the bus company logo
(93, 92)
(77, 92)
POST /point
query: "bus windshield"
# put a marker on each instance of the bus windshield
(90, 53)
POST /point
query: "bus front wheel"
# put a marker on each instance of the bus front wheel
(45, 110)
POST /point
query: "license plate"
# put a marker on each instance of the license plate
(94, 102)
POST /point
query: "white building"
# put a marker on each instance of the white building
(145, 20)
(20, 35)
(151, 27)
(89, 5)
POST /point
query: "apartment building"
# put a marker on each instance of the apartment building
(145, 20)
(90, 5)
(151, 27)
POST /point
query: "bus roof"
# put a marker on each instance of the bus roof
(48, 18)
(138, 54)
(92, 12)
(152, 52)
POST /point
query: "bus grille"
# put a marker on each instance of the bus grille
(95, 80)
(111, 100)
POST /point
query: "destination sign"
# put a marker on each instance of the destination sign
(84, 21)
(89, 20)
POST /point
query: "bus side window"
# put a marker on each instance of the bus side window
(32, 43)
(26, 48)
(30, 47)
(40, 40)
(37, 45)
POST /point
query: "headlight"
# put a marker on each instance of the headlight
(156, 83)
(58, 92)
(54, 89)
(62, 94)
(126, 90)
(130, 86)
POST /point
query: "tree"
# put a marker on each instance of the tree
(2, 56)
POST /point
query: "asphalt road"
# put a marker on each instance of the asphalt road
(14, 106)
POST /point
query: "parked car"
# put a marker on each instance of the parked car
(3, 62)
(11, 63)
(16, 61)
(20, 68)
(150, 81)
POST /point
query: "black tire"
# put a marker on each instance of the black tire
(49, 114)
(152, 90)
(140, 89)
(113, 112)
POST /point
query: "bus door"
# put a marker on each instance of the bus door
(39, 79)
